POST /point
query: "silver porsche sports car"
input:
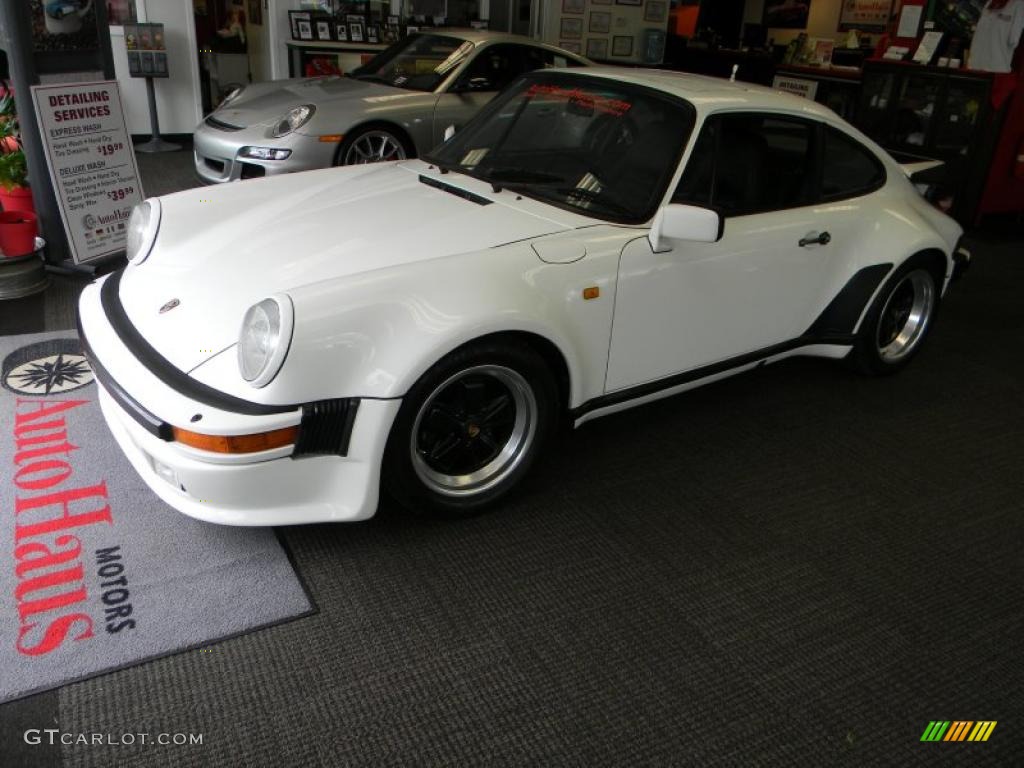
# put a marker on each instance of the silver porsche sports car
(397, 105)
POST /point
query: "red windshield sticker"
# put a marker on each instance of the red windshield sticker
(575, 96)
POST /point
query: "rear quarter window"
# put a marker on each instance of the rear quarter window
(848, 169)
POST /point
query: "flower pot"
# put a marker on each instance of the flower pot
(17, 199)
(18, 230)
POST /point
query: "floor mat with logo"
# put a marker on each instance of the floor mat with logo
(96, 573)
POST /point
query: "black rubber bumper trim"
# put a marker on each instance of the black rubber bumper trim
(961, 260)
(147, 420)
(167, 372)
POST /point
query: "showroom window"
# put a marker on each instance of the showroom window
(848, 169)
(760, 163)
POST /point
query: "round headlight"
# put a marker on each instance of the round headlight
(143, 227)
(264, 341)
(293, 120)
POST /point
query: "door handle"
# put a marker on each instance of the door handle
(823, 239)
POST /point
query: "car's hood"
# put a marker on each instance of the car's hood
(268, 102)
(221, 249)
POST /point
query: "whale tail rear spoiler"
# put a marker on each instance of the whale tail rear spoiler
(924, 171)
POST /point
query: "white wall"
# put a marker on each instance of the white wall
(178, 100)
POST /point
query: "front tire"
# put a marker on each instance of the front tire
(470, 429)
(898, 322)
(373, 145)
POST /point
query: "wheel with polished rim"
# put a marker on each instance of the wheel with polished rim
(373, 145)
(470, 429)
(899, 320)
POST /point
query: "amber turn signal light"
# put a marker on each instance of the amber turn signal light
(331, 138)
(261, 441)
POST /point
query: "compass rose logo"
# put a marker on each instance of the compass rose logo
(51, 367)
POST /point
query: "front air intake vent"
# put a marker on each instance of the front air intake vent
(326, 428)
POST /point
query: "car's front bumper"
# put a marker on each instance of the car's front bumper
(272, 487)
(217, 157)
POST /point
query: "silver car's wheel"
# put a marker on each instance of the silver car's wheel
(905, 315)
(373, 146)
(473, 430)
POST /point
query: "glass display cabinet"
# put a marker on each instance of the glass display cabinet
(939, 113)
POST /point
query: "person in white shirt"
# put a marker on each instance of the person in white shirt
(998, 33)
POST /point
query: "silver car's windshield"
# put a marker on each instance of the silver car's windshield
(597, 146)
(417, 63)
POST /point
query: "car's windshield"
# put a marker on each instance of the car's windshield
(417, 63)
(599, 146)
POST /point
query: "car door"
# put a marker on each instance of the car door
(698, 304)
(491, 68)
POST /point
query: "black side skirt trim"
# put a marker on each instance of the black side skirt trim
(159, 365)
(653, 387)
(842, 313)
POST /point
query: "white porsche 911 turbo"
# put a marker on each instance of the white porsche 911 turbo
(279, 351)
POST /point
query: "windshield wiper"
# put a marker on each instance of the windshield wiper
(371, 78)
(592, 196)
(520, 176)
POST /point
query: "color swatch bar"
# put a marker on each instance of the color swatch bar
(958, 730)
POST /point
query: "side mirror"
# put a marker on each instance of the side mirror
(449, 132)
(685, 222)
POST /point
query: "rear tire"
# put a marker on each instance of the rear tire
(898, 322)
(470, 429)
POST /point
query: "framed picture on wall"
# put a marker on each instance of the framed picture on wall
(573, 6)
(572, 29)
(323, 30)
(341, 32)
(654, 10)
(372, 34)
(294, 17)
(597, 48)
(572, 46)
(622, 45)
(600, 22)
(305, 29)
(355, 31)
(787, 14)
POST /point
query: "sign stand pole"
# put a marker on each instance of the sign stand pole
(155, 144)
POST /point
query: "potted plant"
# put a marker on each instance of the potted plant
(15, 194)
(18, 225)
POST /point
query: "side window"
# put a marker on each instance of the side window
(848, 168)
(542, 58)
(761, 163)
(494, 67)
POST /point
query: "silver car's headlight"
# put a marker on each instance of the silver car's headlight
(293, 120)
(143, 227)
(265, 338)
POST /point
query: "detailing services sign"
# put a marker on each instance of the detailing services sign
(92, 164)
(795, 85)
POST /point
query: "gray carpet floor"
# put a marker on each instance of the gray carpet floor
(798, 566)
